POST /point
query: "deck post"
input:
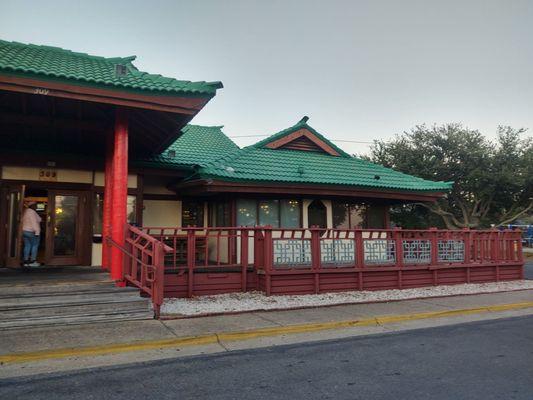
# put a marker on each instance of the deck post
(245, 238)
(120, 193)
(315, 257)
(268, 259)
(398, 243)
(191, 259)
(108, 193)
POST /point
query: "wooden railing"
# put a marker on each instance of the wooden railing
(268, 252)
(143, 264)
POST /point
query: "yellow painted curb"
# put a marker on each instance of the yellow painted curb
(246, 335)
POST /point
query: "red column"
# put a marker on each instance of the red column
(108, 191)
(120, 191)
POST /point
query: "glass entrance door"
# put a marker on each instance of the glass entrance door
(13, 233)
(65, 227)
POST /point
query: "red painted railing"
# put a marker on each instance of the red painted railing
(143, 264)
(262, 253)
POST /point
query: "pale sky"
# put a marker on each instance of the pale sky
(359, 69)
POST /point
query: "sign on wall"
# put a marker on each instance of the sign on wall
(49, 175)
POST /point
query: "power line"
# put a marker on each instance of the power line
(335, 140)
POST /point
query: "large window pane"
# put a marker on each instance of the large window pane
(341, 217)
(246, 212)
(290, 213)
(98, 212)
(192, 213)
(219, 214)
(375, 217)
(357, 216)
(269, 213)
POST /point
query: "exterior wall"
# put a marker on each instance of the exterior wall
(32, 174)
(162, 213)
(99, 180)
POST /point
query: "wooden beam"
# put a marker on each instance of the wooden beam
(212, 186)
(51, 122)
(170, 103)
(303, 133)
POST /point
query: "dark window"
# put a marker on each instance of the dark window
(276, 213)
(375, 217)
(246, 212)
(269, 213)
(290, 212)
(98, 212)
(219, 214)
(192, 213)
(348, 215)
(317, 214)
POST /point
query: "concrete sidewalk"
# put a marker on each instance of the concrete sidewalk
(37, 350)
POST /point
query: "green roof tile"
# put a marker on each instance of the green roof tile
(46, 62)
(290, 166)
(302, 124)
(198, 145)
(257, 163)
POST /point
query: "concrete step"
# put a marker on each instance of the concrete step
(20, 313)
(73, 320)
(67, 303)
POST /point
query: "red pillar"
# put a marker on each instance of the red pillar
(108, 194)
(120, 191)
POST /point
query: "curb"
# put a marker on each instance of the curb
(246, 335)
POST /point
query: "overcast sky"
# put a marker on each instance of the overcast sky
(359, 69)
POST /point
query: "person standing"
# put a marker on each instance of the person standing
(31, 234)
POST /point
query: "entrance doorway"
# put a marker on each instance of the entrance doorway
(65, 225)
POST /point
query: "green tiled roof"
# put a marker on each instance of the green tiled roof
(198, 145)
(46, 62)
(217, 157)
(290, 166)
(258, 163)
(302, 124)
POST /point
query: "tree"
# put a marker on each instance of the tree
(493, 181)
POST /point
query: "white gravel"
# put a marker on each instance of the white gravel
(256, 301)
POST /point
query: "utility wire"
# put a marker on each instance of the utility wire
(335, 140)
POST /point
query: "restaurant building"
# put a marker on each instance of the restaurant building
(123, 180)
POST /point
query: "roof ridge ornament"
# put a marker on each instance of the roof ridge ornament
(304, 120)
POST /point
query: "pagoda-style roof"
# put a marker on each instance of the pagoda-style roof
(218, 159)
(49, 92)
(57, 64)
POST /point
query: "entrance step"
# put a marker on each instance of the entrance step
(33, 305)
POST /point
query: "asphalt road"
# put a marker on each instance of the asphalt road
(482, 360)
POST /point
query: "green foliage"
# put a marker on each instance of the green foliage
(493, 181)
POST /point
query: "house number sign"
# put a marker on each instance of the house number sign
(49, 175)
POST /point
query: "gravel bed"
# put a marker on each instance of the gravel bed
(257, 301)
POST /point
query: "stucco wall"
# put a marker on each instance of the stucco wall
(162, 213)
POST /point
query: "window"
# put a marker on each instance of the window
(192, 213)
(375, 217)
(276, 213)
(98, 212)
(348, 215)
(219, 214)
(269, 213)
(290, 213)
(246, 212)
(317, 214)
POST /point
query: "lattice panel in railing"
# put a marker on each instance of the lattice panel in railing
(452, 250)
(416, 251)
(292, 252)
(379, 251)
(337, 252)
